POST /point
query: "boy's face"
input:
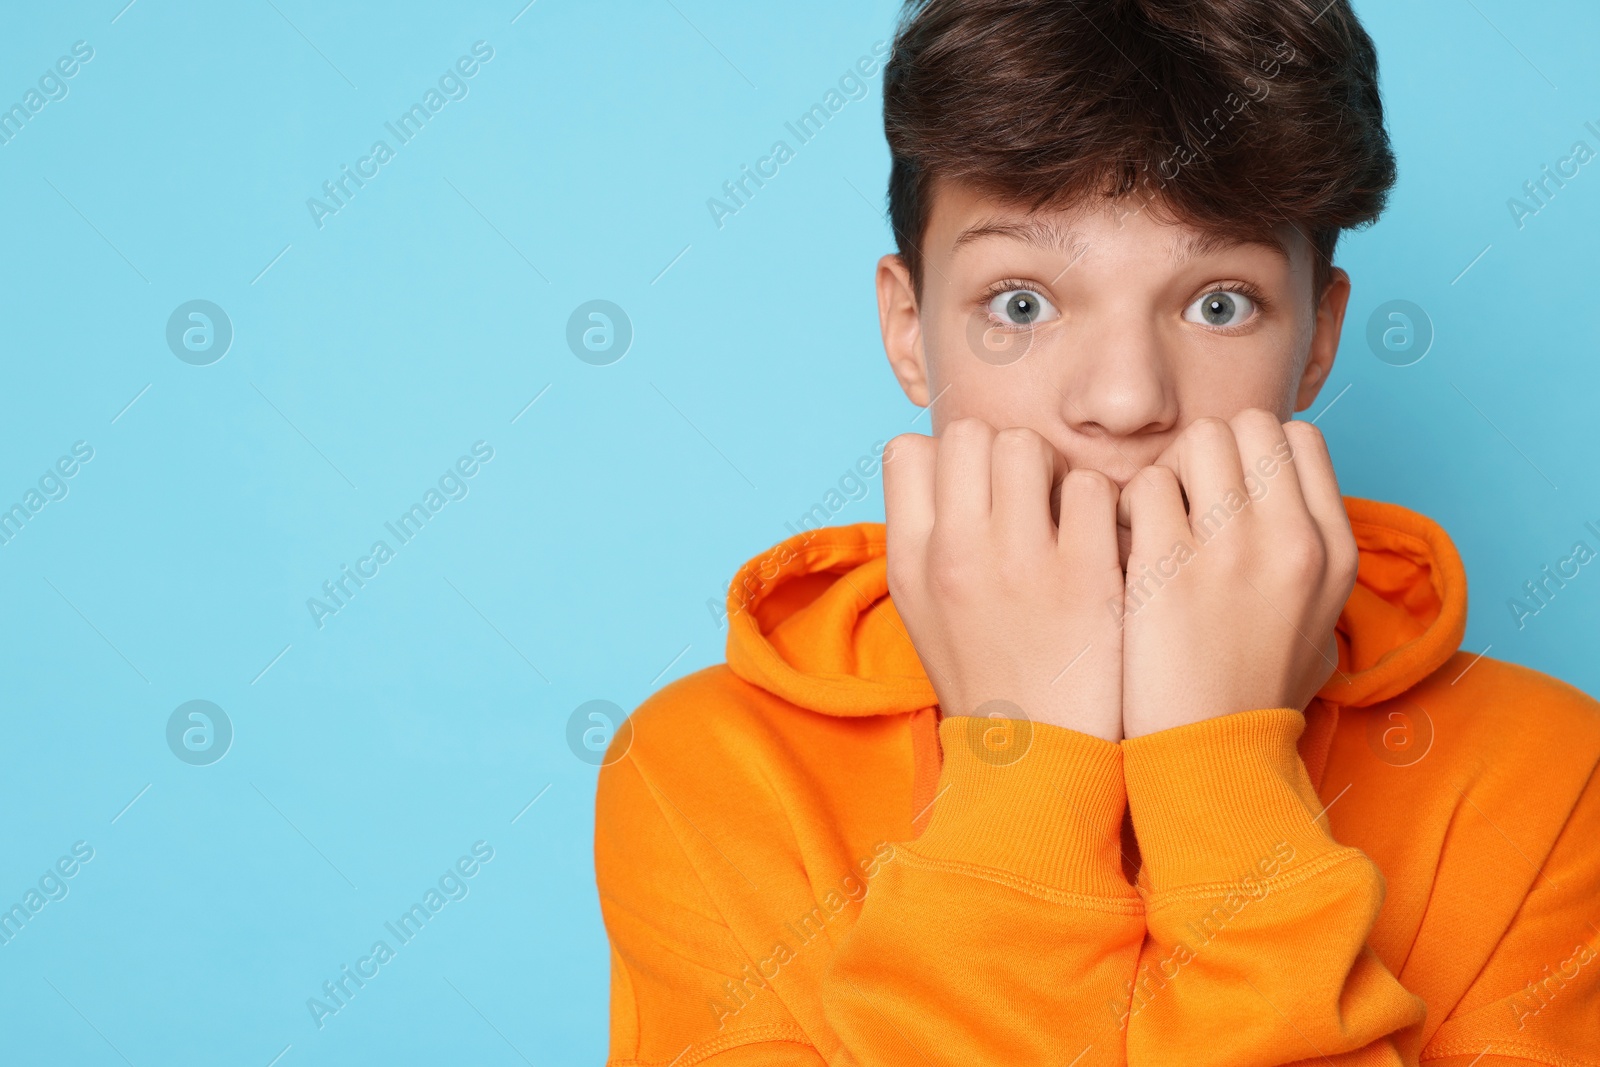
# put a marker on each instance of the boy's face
(1108, 346)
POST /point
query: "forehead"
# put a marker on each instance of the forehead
(964, 218)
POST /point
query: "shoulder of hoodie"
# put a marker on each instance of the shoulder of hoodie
(1518, 718)
(717, 733)
(712, 717)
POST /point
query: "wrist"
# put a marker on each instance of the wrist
(1009, 716)
(1171, 713)
(1111, 731)
(1047, 806)
(1213, 801)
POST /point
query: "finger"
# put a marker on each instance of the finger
(1151, 505)
(1272, 478)
(1022, 464)
(908, 466)
(961, 483)
(1205, 458)
(1088, 531)
(1318, 483)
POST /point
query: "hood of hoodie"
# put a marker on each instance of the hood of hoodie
(810, 620)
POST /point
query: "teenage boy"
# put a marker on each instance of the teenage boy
(1127, 739)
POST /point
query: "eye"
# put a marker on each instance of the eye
(1221, 307)
(1021, 307)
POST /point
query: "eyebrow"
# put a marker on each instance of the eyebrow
(1046, 233)
(1198, 244)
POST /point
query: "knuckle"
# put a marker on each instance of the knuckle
(904, 449)
(1255, 419)
(906, 594)
(1148, 484)
(1302, 553)
(1088, 492)
(1303, 427)
(1208, 428)
(1344, 558)
(1155, 478)
(902, 443)
(1017, 435)
(1018, 444)
(1086, 483)
(969, 428)
(1347, 569)
(946, 571)
(1305, 435)
(946, 580)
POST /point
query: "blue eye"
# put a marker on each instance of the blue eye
(1021, 307)
(1221, 307)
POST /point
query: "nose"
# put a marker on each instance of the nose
(1118, 382)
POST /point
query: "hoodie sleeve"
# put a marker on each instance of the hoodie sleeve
(672, 953)
(1257, 919)
(1007, 933)
(1538, 997)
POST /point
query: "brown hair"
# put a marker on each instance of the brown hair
(1234, 116)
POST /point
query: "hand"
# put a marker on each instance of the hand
(1000, 602)
(1232, 606)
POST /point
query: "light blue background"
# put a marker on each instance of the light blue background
(370, 353)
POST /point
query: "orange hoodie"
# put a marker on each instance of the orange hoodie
(800, 863)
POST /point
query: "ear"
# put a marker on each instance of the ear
(1325, 339)
(902, 328)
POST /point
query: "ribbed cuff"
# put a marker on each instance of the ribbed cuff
(1045, 804)
(1223, 800)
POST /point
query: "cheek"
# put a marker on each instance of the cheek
(1018, 394)
(1291, 366)
(936, 346)
(956, 382)
(1261, 371)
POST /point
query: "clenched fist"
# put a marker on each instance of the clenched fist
(1001, 601)
(1231, 603)
(1241, 560)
